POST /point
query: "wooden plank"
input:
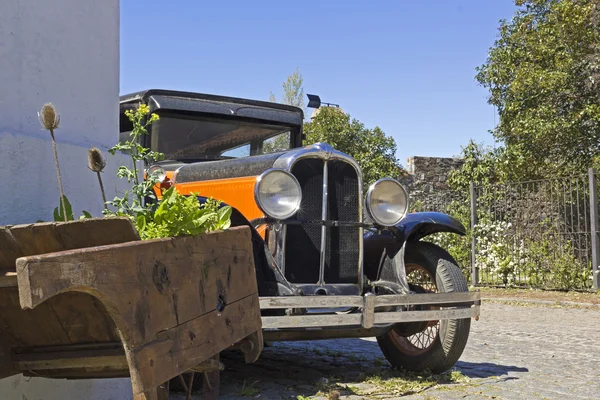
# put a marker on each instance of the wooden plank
(76, 361)
(96, 373)
(8, 278)
(147, 286)
(189, 344)
(85, 347)
(37, 327)
(71, 357)
(41, 238)
(83, 318)
(9, 251)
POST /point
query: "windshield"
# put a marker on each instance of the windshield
(184, 138)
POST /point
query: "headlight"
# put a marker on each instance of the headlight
(278, 194)
(387, 202)
(157, 171)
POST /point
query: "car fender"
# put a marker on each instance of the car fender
(384, 249)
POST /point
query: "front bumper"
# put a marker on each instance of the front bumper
(455, 305)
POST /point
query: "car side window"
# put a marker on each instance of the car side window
(240, 151)
(277, 143)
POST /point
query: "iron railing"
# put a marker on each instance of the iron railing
(541, 234)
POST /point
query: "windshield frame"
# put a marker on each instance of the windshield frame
(295, 130)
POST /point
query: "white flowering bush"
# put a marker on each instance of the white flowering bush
(537, 260)
(499, 253)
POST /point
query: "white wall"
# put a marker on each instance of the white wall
(65, 52)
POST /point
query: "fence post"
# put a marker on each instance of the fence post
(474, 271)
(594, 225)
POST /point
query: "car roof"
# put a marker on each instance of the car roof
(144, 95)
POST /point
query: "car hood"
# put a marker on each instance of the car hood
(254, 165)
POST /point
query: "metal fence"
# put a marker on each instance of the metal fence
(541, 234)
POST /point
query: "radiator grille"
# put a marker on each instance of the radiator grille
(303, 242)
(342, 242)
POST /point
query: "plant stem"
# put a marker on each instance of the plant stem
(135, 176)
(60, 187)
(102, 190)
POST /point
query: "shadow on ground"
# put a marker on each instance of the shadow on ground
(487, 370)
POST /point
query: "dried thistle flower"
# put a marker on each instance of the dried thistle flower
(96, 161)
(49, 118)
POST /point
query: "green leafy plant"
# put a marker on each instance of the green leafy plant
(64, 212)
(179, 215)
(132, 202)
(175, 214)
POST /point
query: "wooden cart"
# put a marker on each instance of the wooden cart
(89, 299)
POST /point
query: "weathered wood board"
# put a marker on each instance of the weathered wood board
(173, 303)
(85, 318)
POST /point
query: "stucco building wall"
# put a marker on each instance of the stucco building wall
(65, 52)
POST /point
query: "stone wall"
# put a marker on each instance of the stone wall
(427, 181)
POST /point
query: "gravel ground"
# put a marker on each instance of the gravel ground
(514, 352)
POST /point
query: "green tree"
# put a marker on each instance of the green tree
(542, 74)
(293, 91)
(293, 95)
(374, 151)
(480, 165)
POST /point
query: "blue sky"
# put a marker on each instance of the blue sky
(406, 66)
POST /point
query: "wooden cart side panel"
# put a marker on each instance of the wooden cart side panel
(157, 284)
(187, 345)
(156, 289)
(41, 238)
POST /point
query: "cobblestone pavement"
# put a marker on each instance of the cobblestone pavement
(514, 352)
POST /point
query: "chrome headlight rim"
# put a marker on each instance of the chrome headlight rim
(257, 187)
(151, 170)
(369, 197)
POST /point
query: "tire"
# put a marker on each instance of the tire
(412, 346)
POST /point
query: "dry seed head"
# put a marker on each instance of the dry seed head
(96, 161)
(48, 117)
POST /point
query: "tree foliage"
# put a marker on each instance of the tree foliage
(479, 166)
(542, 73)
(374, 151)
(293, 91)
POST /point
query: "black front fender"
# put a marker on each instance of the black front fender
(414, 226)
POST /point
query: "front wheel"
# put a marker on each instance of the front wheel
(432, 345)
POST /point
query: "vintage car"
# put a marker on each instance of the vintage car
(331, 261)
